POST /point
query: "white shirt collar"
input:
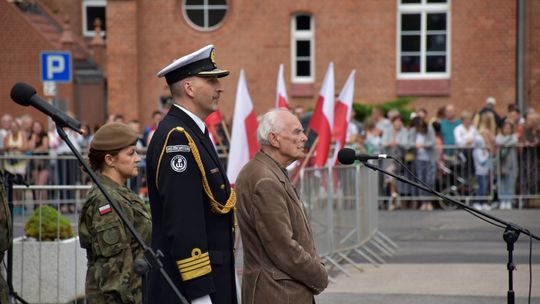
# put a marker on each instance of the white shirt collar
(195, 118)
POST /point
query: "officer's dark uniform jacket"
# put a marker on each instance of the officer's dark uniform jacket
(196, 238)
(111, 249)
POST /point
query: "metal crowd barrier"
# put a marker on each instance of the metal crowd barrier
(341, 203)
(455, 176)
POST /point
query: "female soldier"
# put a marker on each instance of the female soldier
(111, 249)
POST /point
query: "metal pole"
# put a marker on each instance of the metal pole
(520, 54)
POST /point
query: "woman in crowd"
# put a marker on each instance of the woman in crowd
(393, 140)
(422, 138)
(506, 141)
(111, 249)
(39, 145)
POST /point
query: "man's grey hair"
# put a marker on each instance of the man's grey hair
(269, 124)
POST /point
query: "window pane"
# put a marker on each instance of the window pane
(436, 64)
(436, 43)
(410, 43)
(194, 2)
(409, 1)
(410, 22)
(303, 22)
(196, 16)
(436, 22)
(215, 16)
(93, 12)
(303, 68)
(217, 2)
(410, 64)
(303, 48)
(436, 1)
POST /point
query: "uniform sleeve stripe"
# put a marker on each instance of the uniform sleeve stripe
(186, 276)
(201, 260)
(194, 267)
(193, 258)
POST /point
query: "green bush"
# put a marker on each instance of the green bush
(363, 111)
(53, 225)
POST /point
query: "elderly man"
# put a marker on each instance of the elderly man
(281, 264)
(191, 200)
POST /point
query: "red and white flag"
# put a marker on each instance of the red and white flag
(282, 101)
(342, 114)
(211, 122)
(322, 119)
(244, 143)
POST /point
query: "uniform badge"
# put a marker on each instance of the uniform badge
(213, 57)
(179, 163)
(177, 148)
(105, 209)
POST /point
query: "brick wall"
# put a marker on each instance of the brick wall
(20, 48)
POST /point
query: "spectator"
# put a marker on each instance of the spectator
(26, 125)
(39, 145)
(381, 122)
(86, 137)
(393, 140)
(373, 137)
(422, 138)
(488, 109)
(15, 144)
(465, 135)
(299, 112)
(119, 118)
(530, 180)
(507, 141)
(5, 127)
(68, 169)
(149, 130)
(482, 167)
(353, 128)
(359, 143)
(487, 123)
(448, 124)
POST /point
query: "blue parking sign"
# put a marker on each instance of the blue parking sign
(56, 66)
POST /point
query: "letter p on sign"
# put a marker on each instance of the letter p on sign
(56, 66)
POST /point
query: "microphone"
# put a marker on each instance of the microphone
(347, 156)
(25, 95)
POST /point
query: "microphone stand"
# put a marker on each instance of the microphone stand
(151, 257)
(510, 235)
(12, 179)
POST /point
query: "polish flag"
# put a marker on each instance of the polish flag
(281, 96)
(342, 114)
(211, 122)
(244, 143)
(322, 119)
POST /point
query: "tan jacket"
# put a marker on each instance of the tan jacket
(281, 264)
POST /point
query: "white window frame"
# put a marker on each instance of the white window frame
(303, 35)
(205, 7)
(87, 3)
(423, 9)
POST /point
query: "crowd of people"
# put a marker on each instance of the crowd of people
(437, 149)
(446, 149)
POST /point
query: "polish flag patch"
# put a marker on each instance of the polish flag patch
(105, 209)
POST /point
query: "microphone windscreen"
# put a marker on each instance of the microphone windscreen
(346, 156)
(22, 92)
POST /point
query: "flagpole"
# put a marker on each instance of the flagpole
(226, 131)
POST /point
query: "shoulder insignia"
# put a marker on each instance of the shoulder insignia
(105, 209)
(179, 163)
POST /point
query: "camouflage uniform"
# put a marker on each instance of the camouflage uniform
(5, 234)
(111, 249)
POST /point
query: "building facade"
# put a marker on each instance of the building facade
(437, 51)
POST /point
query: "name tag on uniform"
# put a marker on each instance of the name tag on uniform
(215, 170)
(177, 148)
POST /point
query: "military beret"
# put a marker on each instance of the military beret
(200, 63)
(113, 136)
